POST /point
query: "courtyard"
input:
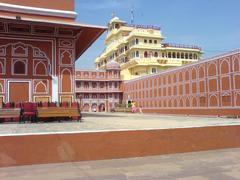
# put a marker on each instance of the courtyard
(203, 165)
(97, 122)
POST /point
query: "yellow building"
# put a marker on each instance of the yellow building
(140, 50)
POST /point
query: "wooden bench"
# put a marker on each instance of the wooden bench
(10, 113)
(59, 112)
(122, 109)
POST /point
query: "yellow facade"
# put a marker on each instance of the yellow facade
(140, 50)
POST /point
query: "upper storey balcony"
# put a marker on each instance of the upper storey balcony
(91, 75)
(156, 61)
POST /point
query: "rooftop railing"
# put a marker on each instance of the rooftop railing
(143, 26)
(181, 46)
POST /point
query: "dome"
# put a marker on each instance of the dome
(116, 19)
(112, 65)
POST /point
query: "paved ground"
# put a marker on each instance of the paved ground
(116, 121)
(205, 165)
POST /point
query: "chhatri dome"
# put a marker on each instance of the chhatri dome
(115, 19)
(113, 65)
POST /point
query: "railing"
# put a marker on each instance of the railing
(97, 89)
(143, 26)
(181, 46)
(99, 99)
(91, 89)
(91, 77)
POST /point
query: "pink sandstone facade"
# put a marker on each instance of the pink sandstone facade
(209, 87)
(99, 91)
(39, 44)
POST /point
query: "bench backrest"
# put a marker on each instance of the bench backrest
(10, 113)
(57, 112)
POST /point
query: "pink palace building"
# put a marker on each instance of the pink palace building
(99, 90)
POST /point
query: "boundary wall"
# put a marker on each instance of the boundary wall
(29, 149)
(208, 87)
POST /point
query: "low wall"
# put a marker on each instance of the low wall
(204, 112)
(57, 148)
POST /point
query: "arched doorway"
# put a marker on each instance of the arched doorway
(102, 107)
(94, 107)
(86, 107)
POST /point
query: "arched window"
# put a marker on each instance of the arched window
(19, 67)
(182, 55)
(94, 85)
(186, 55)
(136, 41)
(190, 56)
(86, 85)
(137, 53)
(169, 55)
(154, 70)
(117, 26)
(174, 55)
(40, 69)
(66, 80)
(66, 57)
(178, 55)
(195, 56)
(101, 85)
(155, 54)
(40, 87)
(145, 54)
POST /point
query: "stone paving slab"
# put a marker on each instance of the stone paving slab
(205, 165)
(93, 122)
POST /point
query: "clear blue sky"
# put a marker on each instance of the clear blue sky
(212, 24)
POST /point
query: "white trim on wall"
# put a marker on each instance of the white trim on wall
(36, 10)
